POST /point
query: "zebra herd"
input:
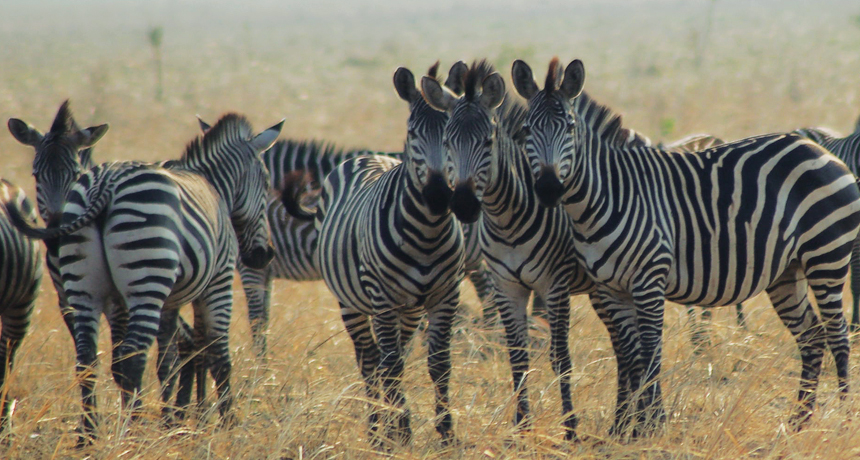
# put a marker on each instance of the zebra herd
(551, 197)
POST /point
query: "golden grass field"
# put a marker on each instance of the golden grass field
(326, 67)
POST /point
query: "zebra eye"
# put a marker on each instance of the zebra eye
(526, 130)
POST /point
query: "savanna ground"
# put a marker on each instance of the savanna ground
(730, 68)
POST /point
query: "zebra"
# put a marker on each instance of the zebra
(846, 149)
(61, 156)
(389, 250)
(170, 230)
(527, 247)
(294, 238)
(20, 278)
(651, 225)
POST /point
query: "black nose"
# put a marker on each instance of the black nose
(437, 195)
(258, 258)
(464, 203)
(548, 187)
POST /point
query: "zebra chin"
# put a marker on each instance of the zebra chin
(548, 188)
(437, 195)
(465, 205)
(259, 257)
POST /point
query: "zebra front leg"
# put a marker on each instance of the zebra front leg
(258, 288)
(828, 295)
(511, 301)
(483, 284)
(367, 357)
(623, 391)
(439, 362)
(558, 303)
(386, 327)
(620, 321)
(649, 303)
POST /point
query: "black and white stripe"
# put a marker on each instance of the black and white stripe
(20, 277)
(389, 250)
(774, 213)
(149, 238)
(61, 156)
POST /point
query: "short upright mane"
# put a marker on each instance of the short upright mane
(552, 75)
(230, 128)
(64, 123)
(602, 120)
(475, 76)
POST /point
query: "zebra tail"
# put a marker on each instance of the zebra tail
(31, 230)
(291, 191)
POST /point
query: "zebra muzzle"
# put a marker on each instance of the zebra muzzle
(259, 257)
(548, 187)
(436, 194)
(465, 204)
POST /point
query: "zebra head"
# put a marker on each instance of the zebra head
(469, 135)
(423, 152)
(229, 155)
(553, 129)
(62, 155)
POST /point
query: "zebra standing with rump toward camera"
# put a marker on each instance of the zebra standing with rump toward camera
(652, 226)
(389, 250)
(149, 238)
(20, 277)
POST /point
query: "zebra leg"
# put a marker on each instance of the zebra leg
(788, 294)
(698, 332)
(649, 302)
(52, 262)
(828, 295)
(168, 361)
(386, 328)
(855, 287)
(539, 307)
(189, 361)
(483, 283)
(739, 314)
(622, 401)
(258, 288)
(439, 361)
(558, 301)
(621, 321)
(16, 321)
(511, 301)
(366, 355)
(215, 308)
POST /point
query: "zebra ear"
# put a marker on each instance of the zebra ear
(203, 125)
(404, 83)
(24, 133)
(492, 91)
(438, 97)
(524, 80)
(574, 79)
(857, 125)
(268, 137)
(89, 136)
(456, 80)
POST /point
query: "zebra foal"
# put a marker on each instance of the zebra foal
(148, 238)
(389, 250)
(20, 277)
(652, 226)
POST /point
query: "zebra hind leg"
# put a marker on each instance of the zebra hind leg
(788, 294)
(16, 321)
(855, 288)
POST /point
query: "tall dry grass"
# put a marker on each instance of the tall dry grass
(327, 67)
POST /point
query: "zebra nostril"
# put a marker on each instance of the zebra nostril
(259, 257)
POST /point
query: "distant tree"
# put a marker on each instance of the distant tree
(155, 38)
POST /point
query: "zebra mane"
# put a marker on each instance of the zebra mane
(552, 76)
(64, 122)
(511, 116)
(600, 119)
(433, 70)
(228, 129)
(478, 71)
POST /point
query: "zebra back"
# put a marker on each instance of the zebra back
(845, 148)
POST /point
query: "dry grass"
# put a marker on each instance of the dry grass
(327, 68)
